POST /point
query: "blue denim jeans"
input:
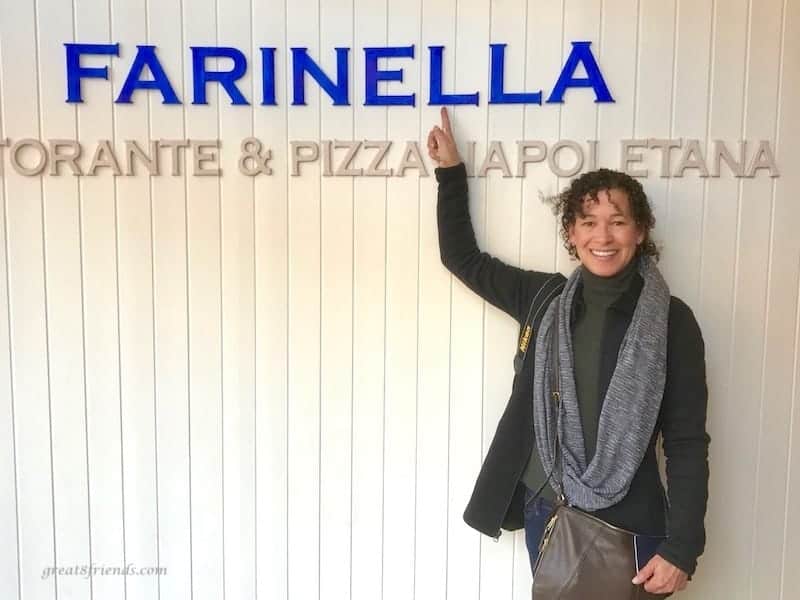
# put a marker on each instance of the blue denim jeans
(536, 513)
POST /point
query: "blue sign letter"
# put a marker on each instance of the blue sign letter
(496, 94)
(373, 76)
(581, 53)
(268, 76)
(226, 78)
(146, 56)
(437, 97)
(302, 64)
(75, 72)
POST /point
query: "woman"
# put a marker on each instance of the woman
(633, 367)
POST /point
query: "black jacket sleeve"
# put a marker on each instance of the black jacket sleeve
(506, 287)
(683, 415)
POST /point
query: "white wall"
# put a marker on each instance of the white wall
(271, 387)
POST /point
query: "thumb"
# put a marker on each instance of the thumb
(645, 573)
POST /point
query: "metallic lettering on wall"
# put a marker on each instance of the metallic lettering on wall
(352, 158)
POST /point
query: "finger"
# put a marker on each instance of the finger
(438, 137)
(433, 147)
(446, 122)
(655, 587)
(644, 574)
(432, 140)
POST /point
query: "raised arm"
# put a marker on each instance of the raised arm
(507, 287)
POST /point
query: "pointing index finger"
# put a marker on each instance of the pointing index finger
(446, 122)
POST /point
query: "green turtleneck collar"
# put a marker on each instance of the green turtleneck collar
(605, 291)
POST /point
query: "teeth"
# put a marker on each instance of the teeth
(603, 252)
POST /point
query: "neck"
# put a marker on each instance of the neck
(605, 290)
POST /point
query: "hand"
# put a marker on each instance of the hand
(442, 145)
(661, 577)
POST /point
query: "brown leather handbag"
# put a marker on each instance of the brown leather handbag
(581, 557)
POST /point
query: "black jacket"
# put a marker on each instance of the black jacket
(498, 494)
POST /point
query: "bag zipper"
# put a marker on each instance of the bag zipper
(548, 530)
(601, 521)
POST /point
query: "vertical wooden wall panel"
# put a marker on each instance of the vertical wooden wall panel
(64, 314)
(272, 309)
(579, 111)
(369, 325)
(791, 532)
(205, 322)
(543, 48)
(750, 302)
(778, 371)
(27, 300)
(97, 216)
(402, 276)
(304, 319)
(501, 238)
(471, 63)
(170, 312)
(9, 553)
(788, 132)
(715, 307)
(747, 325)
(775, 419)
(9, 577)
(617, 50)
(654, 87)
(336, 335)
(683, 225)
(133, 223)
(234, 27)
(433, 341)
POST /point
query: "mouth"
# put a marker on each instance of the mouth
(603, 253)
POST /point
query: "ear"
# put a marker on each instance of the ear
(640, 236)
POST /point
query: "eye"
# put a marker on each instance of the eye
(587, 224)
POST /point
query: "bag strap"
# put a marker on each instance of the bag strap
(534, 313)
(555, 392)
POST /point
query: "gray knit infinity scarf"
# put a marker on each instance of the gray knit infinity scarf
(631, 405)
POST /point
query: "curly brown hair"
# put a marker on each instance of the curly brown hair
(569, 205)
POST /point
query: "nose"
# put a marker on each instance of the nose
(603, 232)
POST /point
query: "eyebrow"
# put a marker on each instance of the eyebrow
(618, 213)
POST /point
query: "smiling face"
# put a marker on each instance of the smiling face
(606, 236)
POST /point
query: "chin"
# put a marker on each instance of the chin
(603, 272)
(604, 269)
